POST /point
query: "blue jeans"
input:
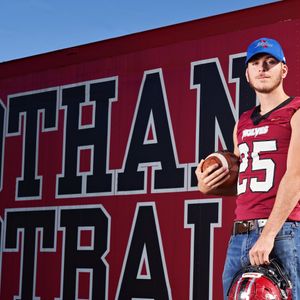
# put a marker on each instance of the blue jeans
(286, 248)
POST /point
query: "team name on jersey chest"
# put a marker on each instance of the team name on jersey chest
(255, 131)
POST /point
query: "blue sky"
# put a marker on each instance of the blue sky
(29, 27)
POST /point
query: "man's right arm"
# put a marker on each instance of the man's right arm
(210, 180)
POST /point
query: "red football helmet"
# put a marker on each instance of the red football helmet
(261, 283)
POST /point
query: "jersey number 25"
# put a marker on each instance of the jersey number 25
(267, 165)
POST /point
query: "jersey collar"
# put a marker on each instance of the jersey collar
(256, 117)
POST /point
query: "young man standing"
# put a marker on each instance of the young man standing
(267, 140)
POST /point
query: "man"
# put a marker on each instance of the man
(267, 140)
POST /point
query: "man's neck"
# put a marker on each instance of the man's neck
(271, 100)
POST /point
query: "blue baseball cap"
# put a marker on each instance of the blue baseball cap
(265, 45)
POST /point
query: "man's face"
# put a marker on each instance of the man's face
(265, 73)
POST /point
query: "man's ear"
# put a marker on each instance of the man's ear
(246, 74)
(285, 70)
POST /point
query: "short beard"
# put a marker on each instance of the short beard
(266, 90)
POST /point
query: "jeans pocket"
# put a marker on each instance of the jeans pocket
(287, 232)
(285, 236)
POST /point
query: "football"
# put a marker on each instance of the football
(226, 159)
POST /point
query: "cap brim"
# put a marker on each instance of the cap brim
(263, 52)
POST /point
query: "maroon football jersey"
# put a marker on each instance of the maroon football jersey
(263, 142)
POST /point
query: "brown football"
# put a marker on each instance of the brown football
(226, 159)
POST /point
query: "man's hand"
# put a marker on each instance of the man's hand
(211, 178)
(259, 253)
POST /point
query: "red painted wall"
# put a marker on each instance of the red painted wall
(99, 143)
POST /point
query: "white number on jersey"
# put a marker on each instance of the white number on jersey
(266, 164)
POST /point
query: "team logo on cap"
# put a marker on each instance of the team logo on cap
(264, 44)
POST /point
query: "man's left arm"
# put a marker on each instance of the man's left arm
(287, 197)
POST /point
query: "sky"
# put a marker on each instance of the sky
(30, 27)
